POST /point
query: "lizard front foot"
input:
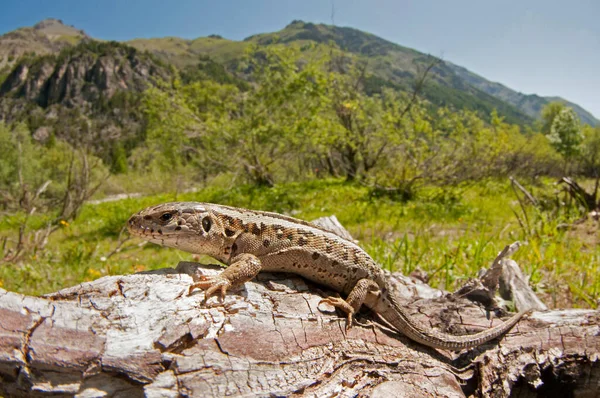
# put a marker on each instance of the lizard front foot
(244, 267)
(343, 305)
(210, 285)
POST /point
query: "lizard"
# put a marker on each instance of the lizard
(250, 241)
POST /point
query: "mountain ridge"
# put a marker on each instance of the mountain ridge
(392, 64)
(48, 36)
(530, 103)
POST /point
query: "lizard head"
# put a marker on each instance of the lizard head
(189, 226)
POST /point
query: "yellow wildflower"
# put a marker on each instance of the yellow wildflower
(94, 273)
(139, 267)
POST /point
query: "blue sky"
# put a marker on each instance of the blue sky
(547, 47)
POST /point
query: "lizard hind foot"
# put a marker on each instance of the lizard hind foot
(210, 285)
(342, 305)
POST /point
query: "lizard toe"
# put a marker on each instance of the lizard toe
(342, 305)
(338, 302)
(349, 321)
(211, 285)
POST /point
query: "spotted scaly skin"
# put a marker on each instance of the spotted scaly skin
(252, 241)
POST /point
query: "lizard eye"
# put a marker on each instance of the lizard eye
(206, 224)
(166, 217)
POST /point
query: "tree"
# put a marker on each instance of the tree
(549, 112)
(365, 129)
(590, 156)
(218, 128)
(355, 132)
(271, 118)
(54, 182)
(590, 151)
(565, 134)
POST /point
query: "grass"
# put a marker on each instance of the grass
(450, 233)
(182, 52)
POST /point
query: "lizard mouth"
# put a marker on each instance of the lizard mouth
(144, 231)
(137, 226)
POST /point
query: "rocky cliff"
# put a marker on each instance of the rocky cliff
(88, 94)
(83, 75)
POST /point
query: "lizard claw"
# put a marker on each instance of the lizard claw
(211, 285)
(343, 305)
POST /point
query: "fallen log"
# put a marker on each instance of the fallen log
(142, 334)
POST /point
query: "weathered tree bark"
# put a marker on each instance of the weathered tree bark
(505, 274)
(142, 334)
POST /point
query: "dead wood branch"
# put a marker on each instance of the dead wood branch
(515, 286)
(585, 199)
(525, 192)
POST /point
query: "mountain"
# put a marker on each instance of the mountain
(88, 94)
(389, 64)
(46, 37)
(530, 104)
(82, 75)
(392, 65)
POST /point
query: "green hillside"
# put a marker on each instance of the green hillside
(530, 104)
(183, 52)
(393, 65)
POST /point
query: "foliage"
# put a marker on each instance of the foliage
(206, 124)
(118, 159)
(565, 133)
(549, 113)
(303, 115)
(208, 70)
(3, 74)
(590, 151)
(54, 181)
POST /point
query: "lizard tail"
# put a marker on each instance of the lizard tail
(398, 317)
